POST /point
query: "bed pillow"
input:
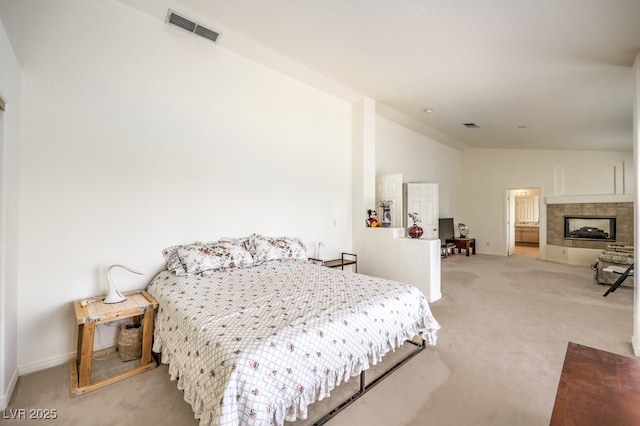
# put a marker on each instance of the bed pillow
(215, 256)
(174, 264)
(242, 241)
(264, 249)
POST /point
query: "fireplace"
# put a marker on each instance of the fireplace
(622, 233)
(590, 228)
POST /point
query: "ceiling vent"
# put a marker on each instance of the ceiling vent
(193, 27)
(470, 125)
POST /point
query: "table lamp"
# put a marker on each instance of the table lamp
(113, 295)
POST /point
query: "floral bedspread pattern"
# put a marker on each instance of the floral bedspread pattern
(256, 346)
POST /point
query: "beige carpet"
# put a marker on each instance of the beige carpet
(505, 327)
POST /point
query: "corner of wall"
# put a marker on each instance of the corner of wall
(6, 398)
(10, 88)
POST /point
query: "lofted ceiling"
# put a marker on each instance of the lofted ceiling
(546, 74)
(530, 74)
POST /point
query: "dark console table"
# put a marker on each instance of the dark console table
(597, 388)
(468, 244)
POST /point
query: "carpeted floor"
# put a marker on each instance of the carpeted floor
(505, 324)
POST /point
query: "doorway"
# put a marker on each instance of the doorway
(523, 222)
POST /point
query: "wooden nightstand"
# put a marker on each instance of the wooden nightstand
(139, 306)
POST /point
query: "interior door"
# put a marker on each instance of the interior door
(422, 198)
(389, 187)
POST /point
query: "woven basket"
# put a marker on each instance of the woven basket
(130, 342)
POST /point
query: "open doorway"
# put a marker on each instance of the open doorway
(523, 222)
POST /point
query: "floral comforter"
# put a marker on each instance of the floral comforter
(256, 346)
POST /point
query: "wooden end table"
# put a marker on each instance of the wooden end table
(464, 244)
(139, 306)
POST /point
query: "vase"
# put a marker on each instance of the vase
(386, 217)
(415, 231)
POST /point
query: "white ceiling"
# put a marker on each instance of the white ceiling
(540, 74)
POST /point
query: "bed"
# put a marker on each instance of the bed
(254, 333)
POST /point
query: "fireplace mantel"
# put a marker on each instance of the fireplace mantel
(580, 199)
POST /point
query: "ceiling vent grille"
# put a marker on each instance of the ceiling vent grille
(193, 27)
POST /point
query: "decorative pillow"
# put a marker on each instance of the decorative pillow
(213, 257)
(264, 249)
(174, 264)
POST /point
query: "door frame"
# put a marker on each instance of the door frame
(510, 215)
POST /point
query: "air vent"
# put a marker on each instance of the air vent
(193, 27)
(470, 125)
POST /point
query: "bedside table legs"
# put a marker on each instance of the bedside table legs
(147, 334)
(86, 333)
(81, 366)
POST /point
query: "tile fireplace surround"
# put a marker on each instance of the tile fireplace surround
(623, 212)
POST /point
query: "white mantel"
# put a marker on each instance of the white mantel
(596, 198)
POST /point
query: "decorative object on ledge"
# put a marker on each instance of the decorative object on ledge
(386, 212)
(463, 230)
(372, 219)
(415, 231)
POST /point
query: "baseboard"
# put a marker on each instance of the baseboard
(635, 344)
(42, 365)
(58, 360)
(6, 398)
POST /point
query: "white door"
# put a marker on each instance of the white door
(389, 187)
(524, 209)
(422, 198)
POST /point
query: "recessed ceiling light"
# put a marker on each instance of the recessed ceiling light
(428, 110)
(522, 127)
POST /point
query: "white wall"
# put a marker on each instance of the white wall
(420, 159)
(385, 252)
(10, 92)
(137, 135)
(488, 173)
